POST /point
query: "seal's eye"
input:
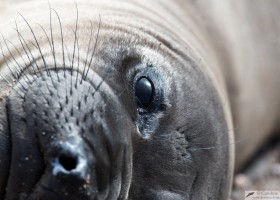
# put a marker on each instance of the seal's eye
(144, 91)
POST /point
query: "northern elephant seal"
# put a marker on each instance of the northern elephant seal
(132, 99)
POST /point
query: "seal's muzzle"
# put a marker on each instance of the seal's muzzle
(65, 132)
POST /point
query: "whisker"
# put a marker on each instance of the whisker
(53, 49)
(27, 54)
(75, 41)
(33, 60)
(49, 75)
(49, 41)
(7, 47)
(68, 53)
(78, 62)
(98, 86)
(34, 36)
(62, 41)
(5, 60)
(91, 34)
(30, 52)
(221, 145)
(94, 48)
(14, 76)
(25, 63)
(74, 50)
(21, 68)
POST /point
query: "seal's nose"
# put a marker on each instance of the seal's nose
(69, 161)
(69, 173)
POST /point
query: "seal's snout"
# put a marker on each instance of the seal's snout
(79, 149)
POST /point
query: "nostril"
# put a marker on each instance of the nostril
(68, 162)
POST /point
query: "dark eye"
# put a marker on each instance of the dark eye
(144, 91)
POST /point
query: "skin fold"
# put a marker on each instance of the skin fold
(72, 122)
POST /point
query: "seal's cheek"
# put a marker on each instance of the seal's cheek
(201, 136)
(182, 146)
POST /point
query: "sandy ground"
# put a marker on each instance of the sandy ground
(262, 174)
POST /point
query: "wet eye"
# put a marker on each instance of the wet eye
(144, 92)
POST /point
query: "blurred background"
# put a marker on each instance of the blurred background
(261, 173)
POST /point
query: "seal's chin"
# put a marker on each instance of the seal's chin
(65, 141)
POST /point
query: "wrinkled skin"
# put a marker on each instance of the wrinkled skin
(71, 127)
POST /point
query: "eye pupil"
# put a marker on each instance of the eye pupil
(144, 92)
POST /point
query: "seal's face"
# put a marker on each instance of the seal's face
(122, 114)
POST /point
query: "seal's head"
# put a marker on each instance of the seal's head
(130, 115)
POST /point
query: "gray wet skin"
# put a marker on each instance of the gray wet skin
(72, 128)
